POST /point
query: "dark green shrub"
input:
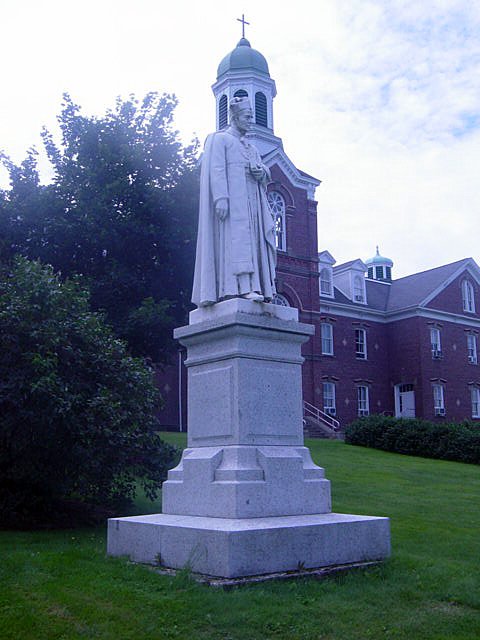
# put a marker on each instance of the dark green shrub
(449, 441)
(77, 412)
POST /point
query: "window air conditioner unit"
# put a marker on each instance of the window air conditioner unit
(436, 353)
(439, 411)
(358, 298)
(363, 412)
(472, 359)
(331, 411)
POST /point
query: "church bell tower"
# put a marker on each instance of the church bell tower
(244, 73)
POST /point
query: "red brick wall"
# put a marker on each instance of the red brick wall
(346, 370)
(411, 361)
(450, 299)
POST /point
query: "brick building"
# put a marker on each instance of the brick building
(405, 347)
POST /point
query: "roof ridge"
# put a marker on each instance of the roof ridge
(442, 266)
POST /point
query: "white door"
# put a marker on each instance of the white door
(404, 401)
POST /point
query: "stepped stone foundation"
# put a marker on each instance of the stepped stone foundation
(246, 498)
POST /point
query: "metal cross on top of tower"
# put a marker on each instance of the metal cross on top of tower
(244, 22)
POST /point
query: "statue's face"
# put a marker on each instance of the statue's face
(244, 120)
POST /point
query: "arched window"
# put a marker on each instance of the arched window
(358, 295)
(280, 300)
(468, 297)
(223, 112)
(240, 93)
(326, 288)
(261, 109)
(277, 205)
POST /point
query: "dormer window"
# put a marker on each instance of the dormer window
(325, 272)
(468, 297)
(358, 291)
(326, 284)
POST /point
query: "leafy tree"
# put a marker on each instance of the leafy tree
(120, 212)
(77, 412)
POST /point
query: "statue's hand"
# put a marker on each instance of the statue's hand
(257, 172)
(221, 208)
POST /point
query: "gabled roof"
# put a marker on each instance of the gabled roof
(298, 178)
(419, 288)
(416, 290)
(326, 257)
(357, 263)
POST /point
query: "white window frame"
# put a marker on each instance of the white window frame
(468, 297)
(329, 398)
(475, 397)
(358, 289)
(278, 208)
(438, 399)
(326, 282)
(326, 334)
(436, 342)
(361, 344)
(472, 348)
(363, 401)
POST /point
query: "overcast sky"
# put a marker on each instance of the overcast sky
(379, 99)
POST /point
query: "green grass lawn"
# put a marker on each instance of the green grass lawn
(61, 584)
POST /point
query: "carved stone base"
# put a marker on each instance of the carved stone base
(247, 498)
(246, 482)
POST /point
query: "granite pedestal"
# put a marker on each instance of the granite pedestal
(246, 498)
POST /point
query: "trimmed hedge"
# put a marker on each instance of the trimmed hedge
(415, 437)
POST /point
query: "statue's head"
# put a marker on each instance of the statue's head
(241, 113)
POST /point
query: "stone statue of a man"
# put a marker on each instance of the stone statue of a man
(236, 252)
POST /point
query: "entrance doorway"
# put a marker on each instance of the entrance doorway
(404, 401)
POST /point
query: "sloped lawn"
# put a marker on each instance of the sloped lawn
(61, 584)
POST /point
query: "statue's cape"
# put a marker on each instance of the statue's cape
(204, 279)
(215, 275)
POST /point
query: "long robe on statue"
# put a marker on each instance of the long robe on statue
(242, 243)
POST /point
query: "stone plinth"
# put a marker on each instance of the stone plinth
(233, 548)
(246, 497)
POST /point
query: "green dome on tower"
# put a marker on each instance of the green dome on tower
(379, 267)
(378, 260)
(243, 57)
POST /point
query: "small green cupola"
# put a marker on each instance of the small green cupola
(379, 268)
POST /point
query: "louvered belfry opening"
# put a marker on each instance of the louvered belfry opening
(223, 112)
(261, 109)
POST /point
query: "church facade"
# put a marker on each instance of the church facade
(405, 347)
